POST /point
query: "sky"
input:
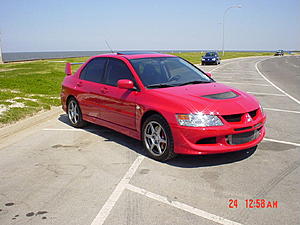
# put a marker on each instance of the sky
(64, 25)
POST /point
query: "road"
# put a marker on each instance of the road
(284, 72)
(51, 173)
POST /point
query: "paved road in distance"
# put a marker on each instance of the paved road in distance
(283, 72)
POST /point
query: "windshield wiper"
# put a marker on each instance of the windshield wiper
(162, 85)
(195, 82)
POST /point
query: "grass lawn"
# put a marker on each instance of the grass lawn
(28, 87)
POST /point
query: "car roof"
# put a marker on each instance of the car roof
(135, 55)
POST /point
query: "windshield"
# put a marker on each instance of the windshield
(210, 54)
(167, 72)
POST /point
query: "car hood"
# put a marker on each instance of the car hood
(193, 98)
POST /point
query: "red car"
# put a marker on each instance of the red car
(166, 102)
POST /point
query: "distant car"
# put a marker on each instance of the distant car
(166, 102)
(211, 58)
(279, 53)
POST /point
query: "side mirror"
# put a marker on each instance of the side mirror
(209, 74)
(68, 69)
(125, 84)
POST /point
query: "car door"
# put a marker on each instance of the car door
(119, 105)
(89, 87)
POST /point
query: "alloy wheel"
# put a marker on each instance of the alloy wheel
(73, 112)
(155, 138)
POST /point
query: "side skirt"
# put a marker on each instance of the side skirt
(124, 130)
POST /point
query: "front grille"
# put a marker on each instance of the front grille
(233, 118)
(238, 117)
(242, 128)
(253, 113)
(242, 138)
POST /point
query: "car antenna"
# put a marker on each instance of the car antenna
(108, 46)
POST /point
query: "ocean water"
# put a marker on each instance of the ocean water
(22, 56)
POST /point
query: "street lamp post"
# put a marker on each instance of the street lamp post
(230, 7)
(1, 59)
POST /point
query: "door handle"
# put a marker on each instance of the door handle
(79, 84)
(104, 90)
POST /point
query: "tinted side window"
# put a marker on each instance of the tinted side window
(117, 70)
(94, 70)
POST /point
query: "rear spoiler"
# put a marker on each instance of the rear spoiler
(68, 69)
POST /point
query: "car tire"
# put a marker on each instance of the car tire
(157, 138)
(74, 114)
(203, 64)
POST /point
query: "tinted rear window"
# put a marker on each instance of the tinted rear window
(94, 70)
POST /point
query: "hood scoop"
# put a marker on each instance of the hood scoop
(221, 96)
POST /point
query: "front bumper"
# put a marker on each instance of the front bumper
(187, 140)
(208, 61)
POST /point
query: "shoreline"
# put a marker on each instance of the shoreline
(93, 53)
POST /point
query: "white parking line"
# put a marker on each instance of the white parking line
(282, 142)
(181, 206)
(61, 129)
(278, 88)
(262, 93)
(238, 71)
(239, 78)
(265, 85)
(113, 198)
(69, 129)
(282, 110)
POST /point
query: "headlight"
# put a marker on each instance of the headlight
(198, 120)
(261, 109)
(203, 59)
(213, 59)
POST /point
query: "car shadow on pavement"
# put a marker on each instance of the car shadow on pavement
(109, 135)
(191, 161)
(184, 161)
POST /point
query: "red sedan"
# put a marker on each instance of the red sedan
(166, 102)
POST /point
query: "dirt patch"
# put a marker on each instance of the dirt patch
(5, 70)
(10, 90)
(4, 108)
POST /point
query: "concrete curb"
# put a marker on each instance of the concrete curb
(29, 122)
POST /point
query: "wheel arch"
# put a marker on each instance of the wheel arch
(169, 152)
(147, 115)
(67, 101)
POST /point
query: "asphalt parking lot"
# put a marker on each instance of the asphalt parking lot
(52, 173)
